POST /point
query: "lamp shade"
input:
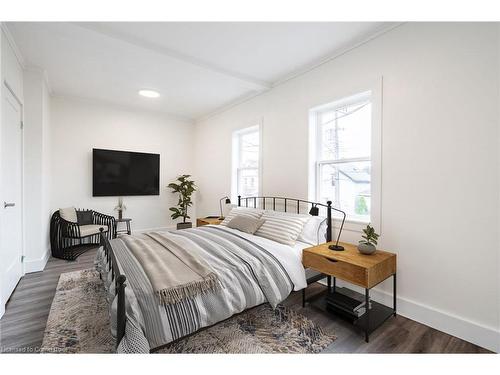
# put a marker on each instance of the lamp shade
(314, 211)
(227, 201)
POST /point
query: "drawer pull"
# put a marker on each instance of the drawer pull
(332, 260)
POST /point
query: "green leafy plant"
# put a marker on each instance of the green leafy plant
(185, 188)
(370, 237)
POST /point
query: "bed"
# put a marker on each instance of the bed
(250, 270)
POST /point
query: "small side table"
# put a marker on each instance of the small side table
(127, 222)
(365, 271)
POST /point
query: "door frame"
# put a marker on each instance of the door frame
(8, 88)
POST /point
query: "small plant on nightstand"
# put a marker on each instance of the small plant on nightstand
(367, 246)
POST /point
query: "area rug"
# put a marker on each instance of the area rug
(78, 323)
(78, 320)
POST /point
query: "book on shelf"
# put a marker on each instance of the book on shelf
(343, 303)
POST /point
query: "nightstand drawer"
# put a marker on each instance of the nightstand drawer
(345, 271)
(208, 221)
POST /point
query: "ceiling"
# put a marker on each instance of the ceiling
(198, 68)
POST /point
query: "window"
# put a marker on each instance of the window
(343, 155)
(246, 162)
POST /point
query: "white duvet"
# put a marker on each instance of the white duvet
(289, 257)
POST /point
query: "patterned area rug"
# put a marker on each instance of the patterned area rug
(78, 320)
(78, 323)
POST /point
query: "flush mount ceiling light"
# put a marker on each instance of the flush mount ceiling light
(149, 93)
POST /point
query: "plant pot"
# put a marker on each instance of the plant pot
(366, 249)
(184, 225)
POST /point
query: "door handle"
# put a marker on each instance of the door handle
(5, 204)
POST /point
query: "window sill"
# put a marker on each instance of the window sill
(352, 225)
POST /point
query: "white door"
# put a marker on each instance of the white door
(11, 238)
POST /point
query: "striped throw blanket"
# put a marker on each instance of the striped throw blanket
(248, 273)
(175, 272)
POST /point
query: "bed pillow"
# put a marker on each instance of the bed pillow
(243, 211)
(284, 229)
(245, 224)
(314, 230)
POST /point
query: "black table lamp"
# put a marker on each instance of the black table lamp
(228, 201)
(314, 211)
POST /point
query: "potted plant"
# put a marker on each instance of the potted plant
(120, 208)
(367, 246)
(185, 188)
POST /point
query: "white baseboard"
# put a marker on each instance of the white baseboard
(476, 333)
(36, 265)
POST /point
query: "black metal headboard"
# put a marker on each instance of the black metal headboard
(266, 202)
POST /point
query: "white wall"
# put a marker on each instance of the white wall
(36, 170)
(440, 176)
(77, 126)
(12, 68)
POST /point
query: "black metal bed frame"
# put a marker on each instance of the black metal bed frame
(66, 241)
(119, 278)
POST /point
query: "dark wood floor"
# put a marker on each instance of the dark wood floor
(22, 326)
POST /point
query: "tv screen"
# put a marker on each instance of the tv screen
(121, 173)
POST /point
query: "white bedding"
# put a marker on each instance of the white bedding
(290, 257)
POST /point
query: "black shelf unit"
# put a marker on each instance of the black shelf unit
(378, 314)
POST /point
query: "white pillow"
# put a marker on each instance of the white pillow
(314, 231)
(243, 211)
(284, 229)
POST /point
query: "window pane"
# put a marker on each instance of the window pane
(248, 182)
(249, 150)
(347, 185)
(346, 132)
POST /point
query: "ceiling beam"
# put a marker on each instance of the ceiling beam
(251, 82)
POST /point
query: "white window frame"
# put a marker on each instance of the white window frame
(375, 93)
(236, 157)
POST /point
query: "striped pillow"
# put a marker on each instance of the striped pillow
(242, 211)
(314, 230)
(281, 228)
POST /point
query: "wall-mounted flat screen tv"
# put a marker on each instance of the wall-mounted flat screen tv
(122, 173)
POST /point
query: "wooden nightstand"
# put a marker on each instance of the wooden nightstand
(365, 271)
(207, 220)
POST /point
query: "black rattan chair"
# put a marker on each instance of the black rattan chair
(69, 240)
